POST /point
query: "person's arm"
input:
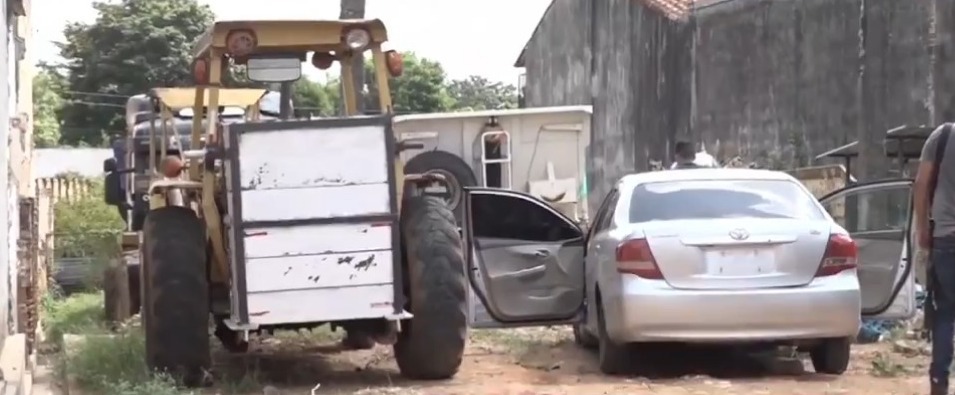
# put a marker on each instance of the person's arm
(923, 189)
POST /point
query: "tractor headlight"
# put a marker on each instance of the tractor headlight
(357, 39)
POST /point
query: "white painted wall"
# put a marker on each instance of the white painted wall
(6, 69)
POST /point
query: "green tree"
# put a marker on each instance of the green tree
(420, 89)
(133, 45)
(313, 98)
(478, 93)
(47, 102)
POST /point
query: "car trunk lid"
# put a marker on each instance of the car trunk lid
(737, 253)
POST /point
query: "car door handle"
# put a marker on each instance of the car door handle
(529, 272)
(541, 253)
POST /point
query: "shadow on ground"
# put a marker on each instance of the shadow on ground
(545, 357)
(671, 362)
(305, 366)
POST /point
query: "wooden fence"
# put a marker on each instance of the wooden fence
(62, 188)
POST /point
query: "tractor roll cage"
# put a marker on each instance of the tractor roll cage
(170, 100)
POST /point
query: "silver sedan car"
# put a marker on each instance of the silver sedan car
(696, 256)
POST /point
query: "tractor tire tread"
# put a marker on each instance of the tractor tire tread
(431, 345)
(176, 295)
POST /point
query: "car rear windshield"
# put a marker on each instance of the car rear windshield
(677, 200)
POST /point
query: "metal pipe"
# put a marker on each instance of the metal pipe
(285, 101)
(152, 139)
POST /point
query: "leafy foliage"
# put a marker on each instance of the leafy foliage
(132, 46)
(313, 98)
(79, 313)
(116, 364)
(420, 89)
(478, 93)
(47, 102)
(135, 45)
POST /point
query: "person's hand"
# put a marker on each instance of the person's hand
(924, 236)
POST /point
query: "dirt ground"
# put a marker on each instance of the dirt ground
(546, 361)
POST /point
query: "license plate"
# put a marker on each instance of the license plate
(739, 262)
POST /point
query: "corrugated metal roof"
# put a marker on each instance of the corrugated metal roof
(87, 162)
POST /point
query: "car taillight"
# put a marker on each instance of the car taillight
(841, 254)
(634, 257)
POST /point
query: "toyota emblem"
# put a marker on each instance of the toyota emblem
(739, 234)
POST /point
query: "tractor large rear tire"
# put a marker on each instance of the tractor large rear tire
(175, 308)
(431, 345)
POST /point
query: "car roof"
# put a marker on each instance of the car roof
(705, 174)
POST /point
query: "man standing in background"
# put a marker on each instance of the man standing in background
(934, 203)
(684, 156)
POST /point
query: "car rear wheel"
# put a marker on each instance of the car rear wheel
(831, 356)
(613, 358)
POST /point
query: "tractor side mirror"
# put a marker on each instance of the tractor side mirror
(113, 193)
(109, 165)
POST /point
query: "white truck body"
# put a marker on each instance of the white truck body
(547, 147)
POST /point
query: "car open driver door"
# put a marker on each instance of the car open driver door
(525, 260)
(878, 216)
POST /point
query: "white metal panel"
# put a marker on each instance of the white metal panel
(302, 158)
(326, 202)
(322, 304)
(346, 269)
(315, 239)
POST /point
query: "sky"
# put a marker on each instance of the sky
(467, 37)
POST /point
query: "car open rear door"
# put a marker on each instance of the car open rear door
(878, 216)
(524, 260)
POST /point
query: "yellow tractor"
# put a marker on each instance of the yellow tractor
(292, 224)
(158, 126)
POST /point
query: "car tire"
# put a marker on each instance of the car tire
(431, 344)
(176, 295)
(612, 358)
(583, 338)
(831, 356)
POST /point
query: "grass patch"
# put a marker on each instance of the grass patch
(103, 362)
(884, 365)
(79, 313)
(116, 364)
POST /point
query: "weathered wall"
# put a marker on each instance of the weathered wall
(773, 81)
(766, 74)
(588, 52)
(557, 58)
(612, 126)
(781, 81)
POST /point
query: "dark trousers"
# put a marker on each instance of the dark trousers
(943, 328)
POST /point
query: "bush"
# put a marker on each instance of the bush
(88, 228)
(116, 365)
(80, 313)
(103, 363)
